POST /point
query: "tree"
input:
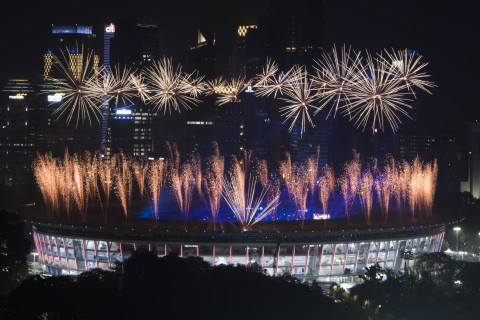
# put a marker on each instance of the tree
(14, 247)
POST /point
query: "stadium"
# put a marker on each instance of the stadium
(304, 222)
(325, 256)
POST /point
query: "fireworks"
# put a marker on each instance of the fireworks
(140, 169)
(385, 185)
(114, 85)
(312, 171)
(213, 182)
(297, 182)
(138, 83)
(183, 183)
(74, 184)
(79, 102)
(326, 186)
(123, 183)
(407, 66)
(262, 172)
(350, 181)
(156, 182)
(242, 200)
(194, 84)
(373, 91)
(377, 96)
(215, 85)
(268, 72)
(366, 194)
(299, 100)
(230, 91)
(333, 74)
(106, 172)
(170, 88)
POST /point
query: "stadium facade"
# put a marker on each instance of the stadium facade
(324, 256)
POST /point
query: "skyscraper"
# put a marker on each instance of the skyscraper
(18, 136)
(71, 43)
(199, 123)
(132, 128)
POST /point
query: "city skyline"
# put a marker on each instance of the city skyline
(438, 32)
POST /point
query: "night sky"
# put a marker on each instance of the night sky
(445, 33)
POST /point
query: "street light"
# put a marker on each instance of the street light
(457, 229)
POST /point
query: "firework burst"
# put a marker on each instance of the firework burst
(213, 182)
(241, 199)
(326, 185)
(138, 83)
(333, 74)
(194, 84)
(215, 85)
(156, 181)
(299, 100)
(408, 67)
(79, 103)
(170, 88)
(376, 96)
(230, 91)
(268, 72)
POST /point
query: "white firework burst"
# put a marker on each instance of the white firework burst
(243, 203)
(76, 71)
(231, 90)
(213, 86)
(194, 84)
(138, 83)
(377, 96)
(408, 66)
(299, 99)
(333, 74)
(169, 87)
(276, 84)
(269, 71)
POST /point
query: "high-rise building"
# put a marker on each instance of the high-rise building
(472, 183)
(17, 127)
(199, 123)
(248, 54)
(134, 44)
(71, 44)
(201, 54)
(108, 34)
(132, 128)
(302, 21)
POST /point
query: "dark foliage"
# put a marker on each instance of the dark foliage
(176, 288)
(437, 288)
(14, 247)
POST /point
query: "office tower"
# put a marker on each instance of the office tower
(248, 54)
(472, 183)
(17, 127)
(199, 123)
(133, 128)
(108, 35)
(201, 54)
(302, 23)
(74, 43)
(73, 39)
(134, 44)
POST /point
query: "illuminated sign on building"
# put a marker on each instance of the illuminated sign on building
(57, 97)
(321, 216)
(18, 96)
(72, 29)
(110, 28)
(249, 89)
(398, 64)
(123, 112)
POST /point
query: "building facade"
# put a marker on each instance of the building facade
(321, 256)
